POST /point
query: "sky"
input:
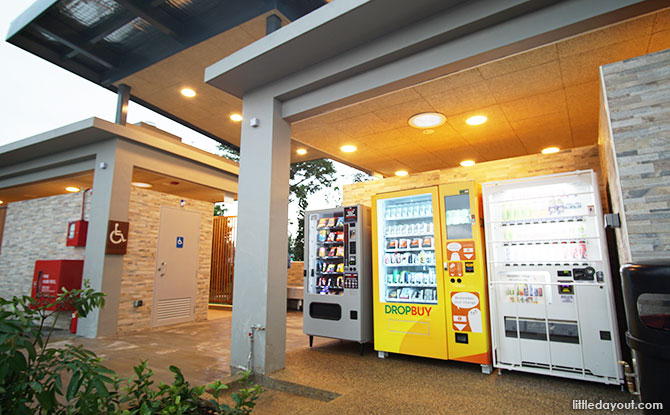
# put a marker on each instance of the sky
(38, 96)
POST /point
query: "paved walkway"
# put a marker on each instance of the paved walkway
(365, 384)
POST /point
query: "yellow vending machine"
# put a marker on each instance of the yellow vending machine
(429, 280)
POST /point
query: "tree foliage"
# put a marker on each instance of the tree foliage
(307, 178)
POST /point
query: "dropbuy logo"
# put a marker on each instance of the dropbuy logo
(407, 310)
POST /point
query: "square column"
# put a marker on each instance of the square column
(111, 193)
(259, 296)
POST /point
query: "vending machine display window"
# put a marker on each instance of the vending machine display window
(457, 216)
(407, 266)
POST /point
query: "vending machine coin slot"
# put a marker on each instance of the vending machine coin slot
(353, 314)
(469, 267)
(461, 337)
(566, 289)
(583, 274)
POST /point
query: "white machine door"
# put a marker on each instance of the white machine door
(176, 266)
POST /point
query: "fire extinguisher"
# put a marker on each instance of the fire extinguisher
(73, 323)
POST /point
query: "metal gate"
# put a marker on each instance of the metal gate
(223, 259)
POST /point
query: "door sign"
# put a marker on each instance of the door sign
(117, 237)
(180, 242)
(466, 312)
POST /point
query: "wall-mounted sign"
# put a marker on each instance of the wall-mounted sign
(117, 237)
(180, 242)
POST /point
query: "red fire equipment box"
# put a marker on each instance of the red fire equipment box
(51, 277)
(76, 233)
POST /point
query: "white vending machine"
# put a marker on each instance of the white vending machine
(338, 281)
(550, 287)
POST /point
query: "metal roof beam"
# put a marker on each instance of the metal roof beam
(48, 54)
(156, 17)
(74, 45)
(99, 32)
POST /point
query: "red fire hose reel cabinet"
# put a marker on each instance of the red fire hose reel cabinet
(52, 276)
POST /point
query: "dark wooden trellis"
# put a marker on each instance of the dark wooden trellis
(224, 236)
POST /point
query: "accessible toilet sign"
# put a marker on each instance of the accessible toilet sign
(180, 242)
(117, 237)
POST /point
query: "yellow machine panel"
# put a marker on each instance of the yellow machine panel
(409, 304)
(465, 273)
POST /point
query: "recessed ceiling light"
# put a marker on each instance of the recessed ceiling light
(188, 92)
(141, 184)
(348, 148)
(72, 189)
(401, 173)
(467, 163)
(301, 151)
(2, 201)
(236, 117)
(476, 120)
(550, 150)
(427, 120)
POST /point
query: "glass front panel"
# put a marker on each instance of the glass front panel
(407, 250)
(457, 216)
(327, 247)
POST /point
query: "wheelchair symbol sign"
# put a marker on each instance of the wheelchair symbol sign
(180, 242)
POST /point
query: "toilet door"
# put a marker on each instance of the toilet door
(176, 266)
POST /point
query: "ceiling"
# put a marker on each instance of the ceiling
(544, 97)
(108, 41)
(159, 182)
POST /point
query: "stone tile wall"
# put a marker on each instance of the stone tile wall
(636, 152)
(36, 229)
(295, 278)
(581, 158)
(137, 279)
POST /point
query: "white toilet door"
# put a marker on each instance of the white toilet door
(176, 266)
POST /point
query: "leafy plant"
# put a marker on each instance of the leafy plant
(38, 379)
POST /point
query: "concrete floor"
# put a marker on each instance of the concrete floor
(366, 384)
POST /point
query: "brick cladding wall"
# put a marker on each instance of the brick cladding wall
(295, 278)
(137, 280)
(638, 99)
(581, 158)
(36, 229)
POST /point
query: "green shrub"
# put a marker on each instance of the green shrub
(33, 375)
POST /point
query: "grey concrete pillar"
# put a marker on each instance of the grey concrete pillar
(259, 297)
(110, 196)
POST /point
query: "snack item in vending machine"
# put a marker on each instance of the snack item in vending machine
(340, 221)
(403, 243)
(324, 266)
(339, 237)
(322, 235)
(331, 222)
(392, 244)
(427, 242)
(331, 237)
(332, 251)
(340, 251)
(322, 223)
(331, 268)
(416, 243)
(340, 267)
(322, 251)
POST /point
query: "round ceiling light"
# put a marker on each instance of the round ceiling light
(188, 92)
(550, 150)
(427, 120)
(348, 148)
(467, 163)
(301, 151)
(2, 201)
(72, 189)
(141, 184)
(236, 117)
(476, 120)
(401, 173)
